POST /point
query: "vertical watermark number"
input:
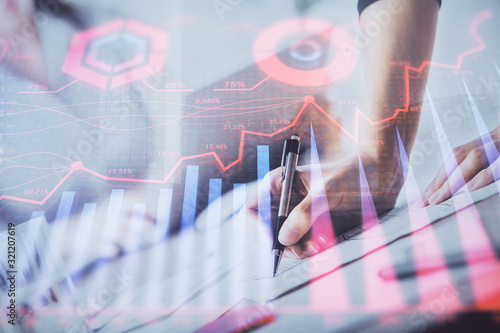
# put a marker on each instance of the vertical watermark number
(11, 273)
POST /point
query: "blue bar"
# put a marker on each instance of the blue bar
(214, 190)
(32, 237)
(113, 213)
(65, 206)
(239, 197)
(163, 212)
(85, 241)
(190, 195)
(262, 161)
(264, 200)
(115, 204)
(214, 209)
(88, 213)
(135, 233)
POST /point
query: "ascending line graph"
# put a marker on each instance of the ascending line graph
(78, 166)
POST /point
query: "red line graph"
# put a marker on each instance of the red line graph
(308, 100)
(196, 114)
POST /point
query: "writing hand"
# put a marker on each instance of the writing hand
(331, 204)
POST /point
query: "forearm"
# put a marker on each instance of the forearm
(406, 38)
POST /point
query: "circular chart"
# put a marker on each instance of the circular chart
(304, 52)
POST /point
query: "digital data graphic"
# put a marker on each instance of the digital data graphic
(91, 57)
(157, 134)
(307, 53)
(233, 118)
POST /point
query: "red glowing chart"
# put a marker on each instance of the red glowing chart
(141, 49)
(308, 32)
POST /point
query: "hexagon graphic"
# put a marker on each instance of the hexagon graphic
(116, 53)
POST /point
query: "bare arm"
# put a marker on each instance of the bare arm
(404, 38)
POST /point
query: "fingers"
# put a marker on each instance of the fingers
(467, 170)
(297, 224)
(311, 247)
(307, 249)
(308, 246)
(300, 220)
(436, 183)
(294, 252)
(459, 154)
(485, 177)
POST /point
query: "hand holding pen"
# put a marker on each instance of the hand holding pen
(329, 200)
(288, 167)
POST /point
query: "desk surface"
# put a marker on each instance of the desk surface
(355, 297)
(361, 319)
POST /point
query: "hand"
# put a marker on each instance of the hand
(473, 161)
(326, 201)
(22, 37)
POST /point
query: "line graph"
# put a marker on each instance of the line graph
(308, 100)
(75, 120)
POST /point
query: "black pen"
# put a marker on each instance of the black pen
(288, 167)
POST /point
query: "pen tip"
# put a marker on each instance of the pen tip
(276, 264)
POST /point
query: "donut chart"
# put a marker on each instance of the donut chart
(266, 52)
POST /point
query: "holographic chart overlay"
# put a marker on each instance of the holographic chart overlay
(91, 58)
